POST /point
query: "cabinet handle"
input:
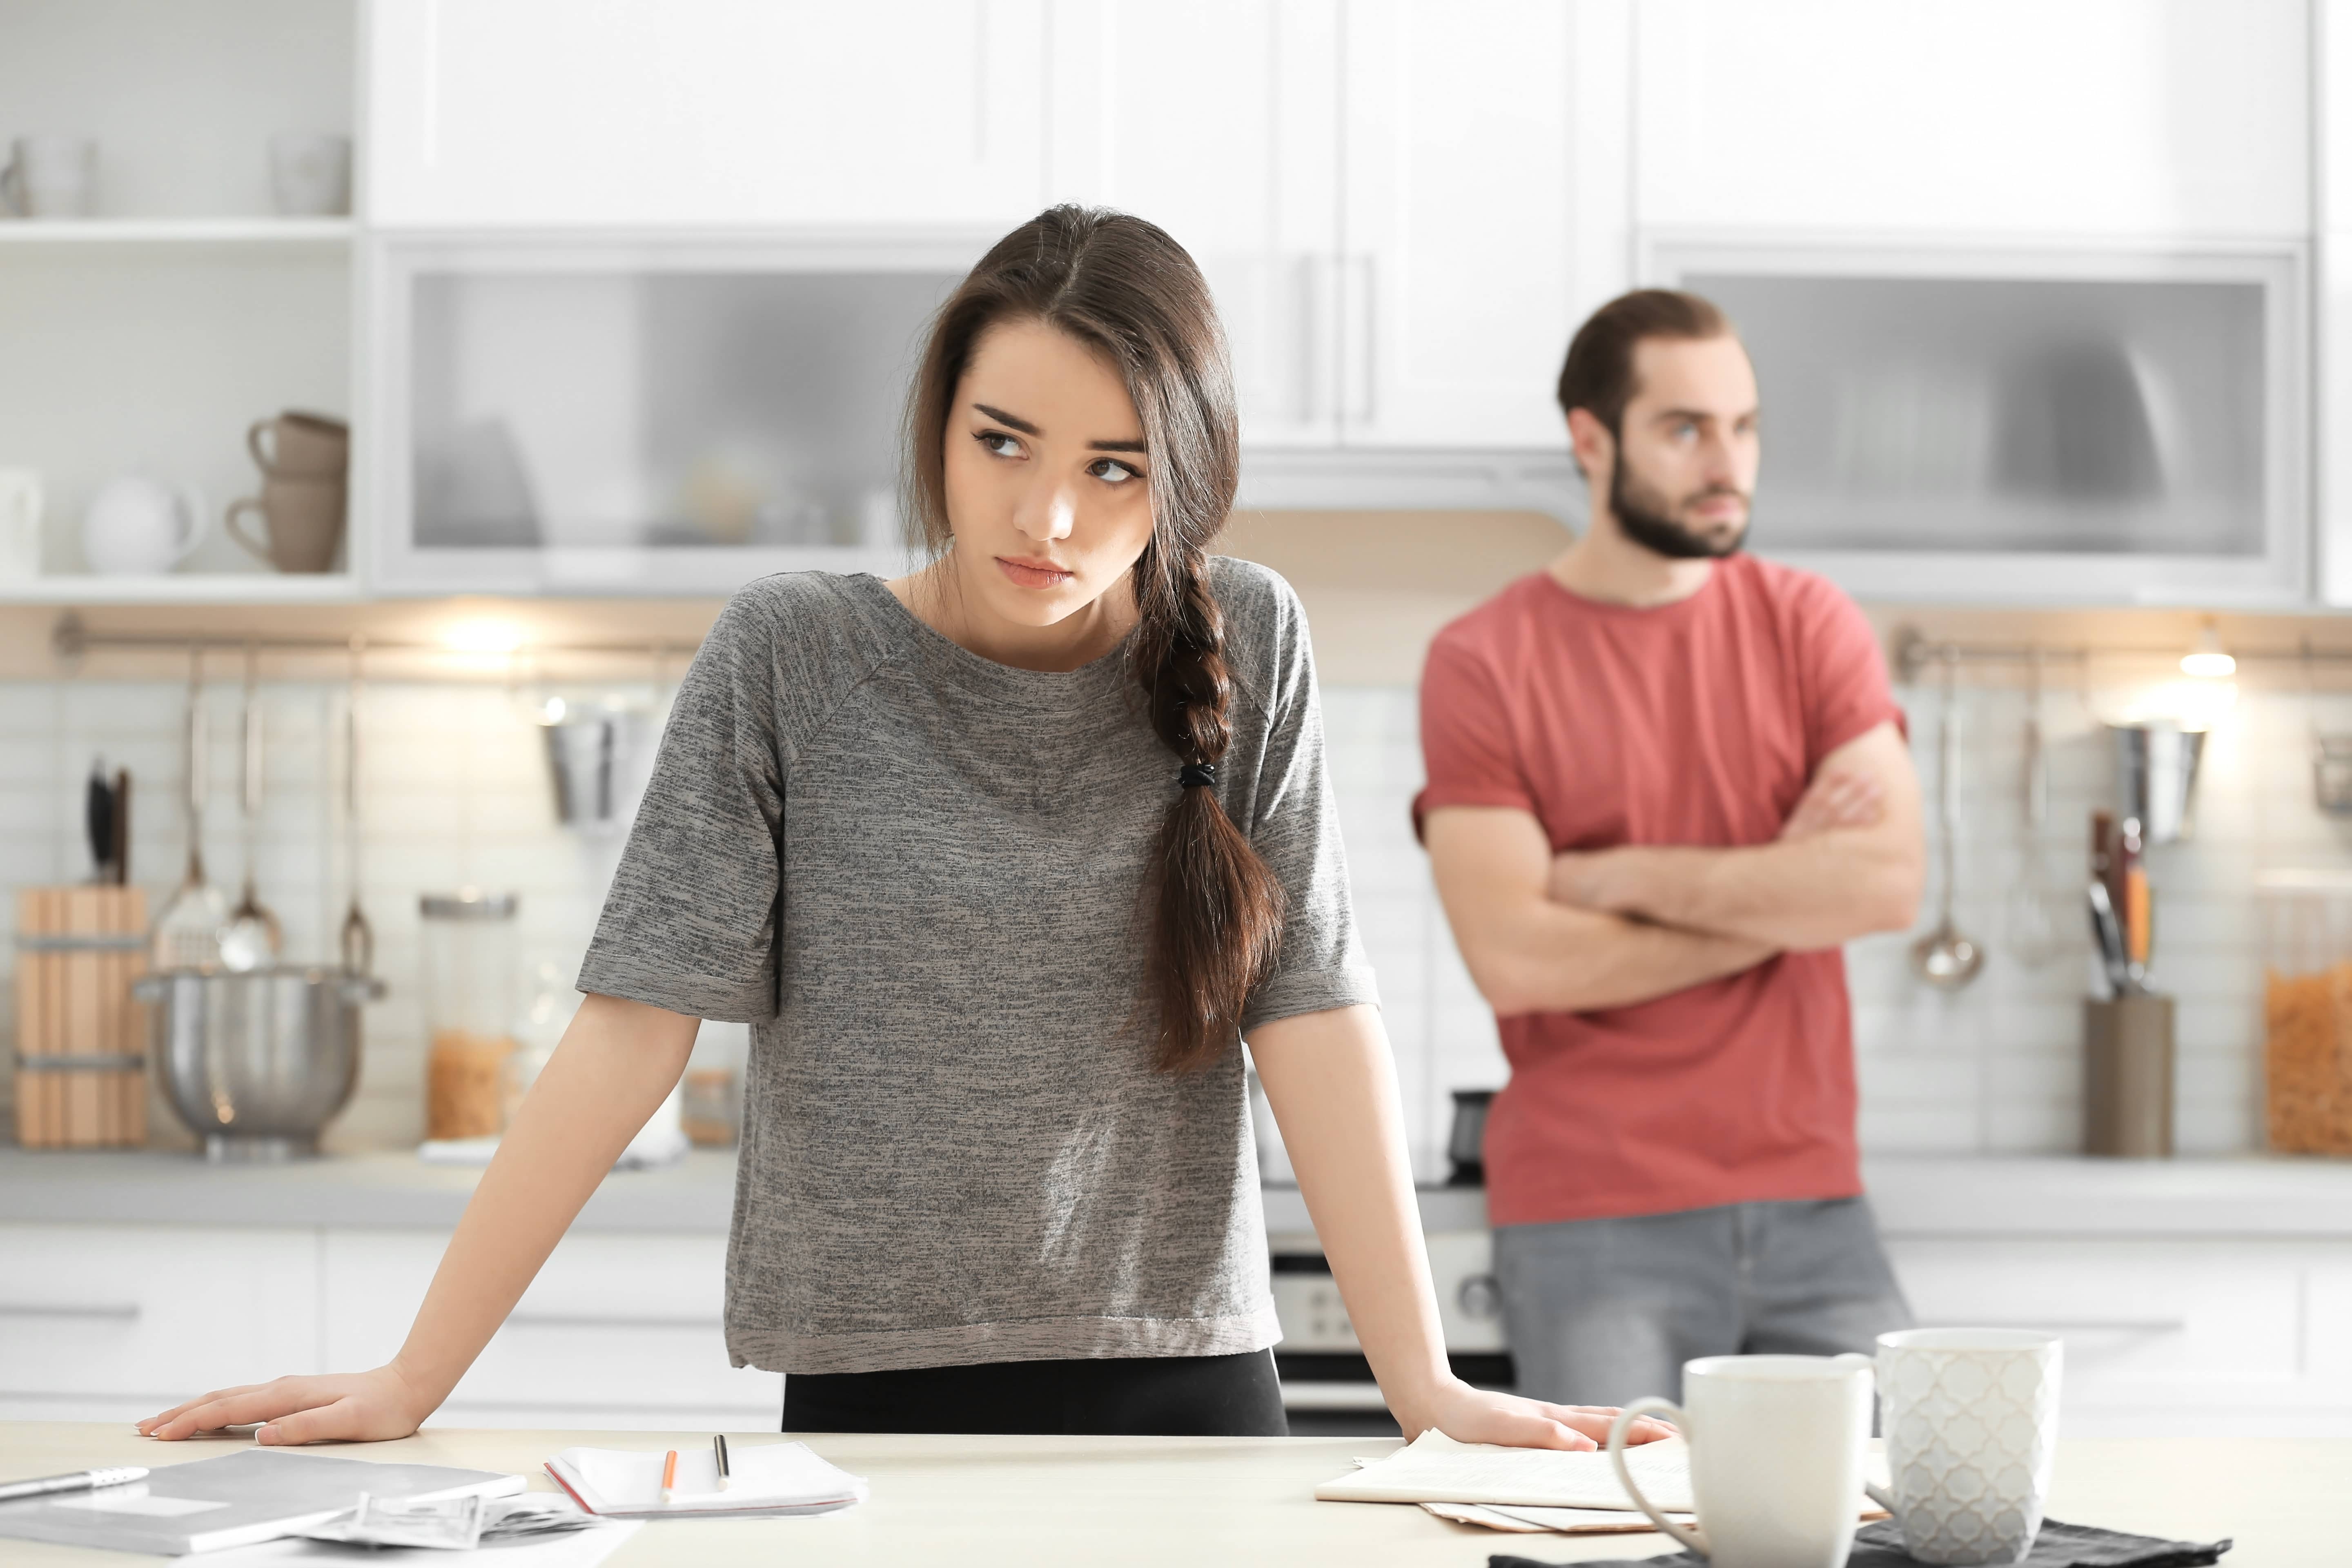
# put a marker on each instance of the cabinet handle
(588, 1320)
(1357, 287)
(125, 1311)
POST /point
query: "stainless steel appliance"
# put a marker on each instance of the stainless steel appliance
(256, 1063)
(1327, 1384)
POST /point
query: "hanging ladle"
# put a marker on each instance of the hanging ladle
(252, 937)
(1944, 958)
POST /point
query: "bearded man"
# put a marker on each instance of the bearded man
(1665, 781)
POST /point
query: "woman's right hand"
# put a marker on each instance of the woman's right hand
(353, 1408)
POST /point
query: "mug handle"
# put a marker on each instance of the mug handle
(1855, 1358)
(264, 460)
(1653, 1405)
(238, 508)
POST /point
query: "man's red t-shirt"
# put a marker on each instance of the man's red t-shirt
(1697, 722)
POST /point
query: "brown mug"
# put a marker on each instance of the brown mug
(301, 447)
(302, 522)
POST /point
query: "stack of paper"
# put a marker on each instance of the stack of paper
(1435, 1469)
(258, 1495)
(772, 1479)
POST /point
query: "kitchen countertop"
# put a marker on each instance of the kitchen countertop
(976, 1501)
(1948, 1196)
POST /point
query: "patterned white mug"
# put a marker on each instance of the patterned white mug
(1971, 1424)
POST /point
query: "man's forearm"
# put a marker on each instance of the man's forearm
(1796, 895)
(1560, 960)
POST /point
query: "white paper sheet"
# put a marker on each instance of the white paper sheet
(578, 1549)
(1436, 1469)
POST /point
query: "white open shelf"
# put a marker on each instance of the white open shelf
(185, 588)
(178, 231)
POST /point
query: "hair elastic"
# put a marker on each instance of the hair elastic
(1197, 776)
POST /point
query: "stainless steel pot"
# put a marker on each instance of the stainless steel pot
(256, 1063)
(1466, 1142)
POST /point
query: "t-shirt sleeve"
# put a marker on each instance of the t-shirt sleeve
(690, 921)
(1846, 690)
(1295, 827)
(1467, 750)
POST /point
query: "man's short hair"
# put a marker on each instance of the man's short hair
(1598, 376)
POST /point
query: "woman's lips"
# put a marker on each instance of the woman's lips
(1034, 573)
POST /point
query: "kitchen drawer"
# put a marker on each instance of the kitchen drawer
(2146, 1324)
(618, 1328)
(155, 1313)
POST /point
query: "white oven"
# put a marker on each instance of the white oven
(1323, 1373)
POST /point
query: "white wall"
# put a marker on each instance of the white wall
(455, 792)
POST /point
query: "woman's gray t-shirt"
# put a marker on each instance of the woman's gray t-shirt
(916, 873)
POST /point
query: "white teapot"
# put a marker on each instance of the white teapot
(138, 527)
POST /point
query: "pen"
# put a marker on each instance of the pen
(718, 1452)
(669, 1476)
(80, 1481)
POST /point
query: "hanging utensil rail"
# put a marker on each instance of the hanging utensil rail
(72, 640)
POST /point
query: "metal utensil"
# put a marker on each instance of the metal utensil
(1944, 958)
(358, 942)
(2109, 933)
(252, 936)
(256, 1063)
(187, 934)
(2030, 915)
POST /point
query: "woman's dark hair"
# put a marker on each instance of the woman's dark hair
(1598, 374)
(1126, 290)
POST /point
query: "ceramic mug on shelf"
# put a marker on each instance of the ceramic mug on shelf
(138, 527)
(302, 523)
(1776, 1448)
(298, 446)
(51, 177)
(20, 525)
(1971, 1420)
(310, 176)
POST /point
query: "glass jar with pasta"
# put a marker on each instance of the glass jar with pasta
(472, 962)
(2306, 919)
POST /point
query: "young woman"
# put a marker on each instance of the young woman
(1003, 861)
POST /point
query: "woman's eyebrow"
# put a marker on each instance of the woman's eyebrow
(1026, 428)
(1014, 420)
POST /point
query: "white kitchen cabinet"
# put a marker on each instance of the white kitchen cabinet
(1457, 289)
(2240, 1333)
(1405, 207)
(2184, 117)
(1250, 189)
(618, 1331)
(116, 1321)
(725, 113)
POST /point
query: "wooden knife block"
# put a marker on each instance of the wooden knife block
(81, 1041)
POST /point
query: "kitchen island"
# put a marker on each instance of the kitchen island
(974, 1501)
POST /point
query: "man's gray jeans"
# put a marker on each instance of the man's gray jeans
(1603, 1312)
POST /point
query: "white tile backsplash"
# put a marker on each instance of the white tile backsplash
(454, 792)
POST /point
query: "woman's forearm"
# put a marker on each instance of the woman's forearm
(617, 1063)
(1333, 1090)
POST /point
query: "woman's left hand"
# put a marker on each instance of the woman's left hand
(1470, 1414)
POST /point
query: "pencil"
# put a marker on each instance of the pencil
(718, 1452)
(669, 1476)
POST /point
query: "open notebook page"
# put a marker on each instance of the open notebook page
(767, 1476)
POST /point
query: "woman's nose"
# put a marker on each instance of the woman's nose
(1048, 512)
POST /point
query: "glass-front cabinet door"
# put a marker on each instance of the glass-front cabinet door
(2111, 425)
(667, 417)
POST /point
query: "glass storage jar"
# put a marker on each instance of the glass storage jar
(2306, 919)
(472, 962)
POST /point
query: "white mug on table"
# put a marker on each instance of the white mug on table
(1776, 1448)
(1971, 1428)
(20, 525)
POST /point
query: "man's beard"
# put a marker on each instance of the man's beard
(1642, 511)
